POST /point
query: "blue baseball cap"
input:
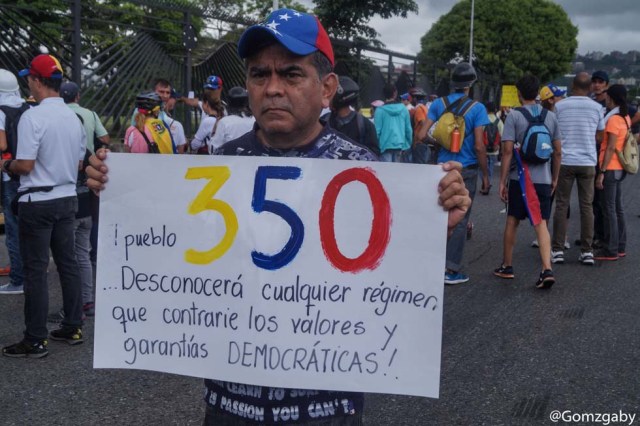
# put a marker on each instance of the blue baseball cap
(213, 82)
(298, 32)
(404, 96)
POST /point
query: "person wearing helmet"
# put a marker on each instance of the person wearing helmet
(472, 155)
(345, 118)
(149, 134)
(236, 123)
(12, 106)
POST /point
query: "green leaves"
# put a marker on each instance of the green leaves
(511, 37)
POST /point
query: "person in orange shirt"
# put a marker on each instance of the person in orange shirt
(611, 174)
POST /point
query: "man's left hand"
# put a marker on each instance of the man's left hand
(454, 196)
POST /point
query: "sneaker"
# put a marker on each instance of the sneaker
(25, 349)
(622, 254)
(534, 243)
(56, 317)
(5, 271)
(557, 256)
(586, 258)
(567, 245)
(504, 272)
(89, 309)
(452, 278)
(603, 254)
(11, 289)
(71, 335)
(546, 279)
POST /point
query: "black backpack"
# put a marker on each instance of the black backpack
(12, 117)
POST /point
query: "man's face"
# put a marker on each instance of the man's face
(598, 86)
(286, 95)
(164, 92)
(34, 87)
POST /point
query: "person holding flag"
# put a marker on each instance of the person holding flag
(527, 186)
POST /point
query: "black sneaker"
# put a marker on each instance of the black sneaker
(504, 272)
(25, 349)
(71, 335)
(546, 279)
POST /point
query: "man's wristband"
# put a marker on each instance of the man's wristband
(6, 165)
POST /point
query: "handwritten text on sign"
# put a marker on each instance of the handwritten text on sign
(295, 273)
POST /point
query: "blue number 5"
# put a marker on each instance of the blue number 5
(259, 205)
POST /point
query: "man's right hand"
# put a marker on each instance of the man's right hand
(97, 171)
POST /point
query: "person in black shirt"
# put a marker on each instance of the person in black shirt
(289, 80)
(345, 118)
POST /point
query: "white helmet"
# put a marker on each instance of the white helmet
(8, 82)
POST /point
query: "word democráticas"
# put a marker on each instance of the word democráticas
(315, 359)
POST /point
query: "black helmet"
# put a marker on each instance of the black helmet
(417, 93)
(148, 101)
(463, 76)
(238, 97)
(347, 93)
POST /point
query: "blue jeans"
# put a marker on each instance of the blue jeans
(83, 248)
(396, 156)
(455, 244)
(12, 240)
(43, 225)
(615, 229)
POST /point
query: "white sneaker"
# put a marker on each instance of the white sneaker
(557, 256)
(586, 258)
(567, 246)
(534, 243)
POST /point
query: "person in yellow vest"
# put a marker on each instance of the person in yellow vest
(149, 134)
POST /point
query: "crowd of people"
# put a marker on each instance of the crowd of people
(294, 105)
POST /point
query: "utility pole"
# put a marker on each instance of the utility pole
(471, 34)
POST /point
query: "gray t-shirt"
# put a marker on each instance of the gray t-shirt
(514, 128)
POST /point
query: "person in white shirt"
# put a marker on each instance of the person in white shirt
(214, 111)
(581, 125)
(51, 145)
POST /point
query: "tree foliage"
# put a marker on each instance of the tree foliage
(511, 37)
(348, 19)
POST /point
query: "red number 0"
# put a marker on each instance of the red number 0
(380, 226)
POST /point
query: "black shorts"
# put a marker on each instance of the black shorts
(516, 207)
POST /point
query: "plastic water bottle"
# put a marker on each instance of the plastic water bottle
(455, 141)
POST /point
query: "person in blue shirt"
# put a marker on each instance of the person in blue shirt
(472, 155)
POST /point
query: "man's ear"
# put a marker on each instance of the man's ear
(329, 88)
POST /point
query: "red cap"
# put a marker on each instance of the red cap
(43, 66)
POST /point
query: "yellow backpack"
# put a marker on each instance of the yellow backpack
(452, 117)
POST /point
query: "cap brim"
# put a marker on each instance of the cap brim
(25, 72)
(258, 36)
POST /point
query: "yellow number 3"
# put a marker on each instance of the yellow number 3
(204, 201)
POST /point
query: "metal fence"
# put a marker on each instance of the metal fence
(115, 49)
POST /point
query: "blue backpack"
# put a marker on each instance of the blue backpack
(537, 144)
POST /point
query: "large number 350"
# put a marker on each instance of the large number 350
(218, 175)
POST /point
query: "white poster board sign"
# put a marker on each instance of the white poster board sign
(294, 273)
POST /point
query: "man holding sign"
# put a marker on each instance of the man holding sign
(289, 79)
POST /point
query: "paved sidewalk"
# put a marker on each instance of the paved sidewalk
(511, 353)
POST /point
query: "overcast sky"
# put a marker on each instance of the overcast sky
(603, 25)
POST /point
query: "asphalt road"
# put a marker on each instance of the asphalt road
(511, 354)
